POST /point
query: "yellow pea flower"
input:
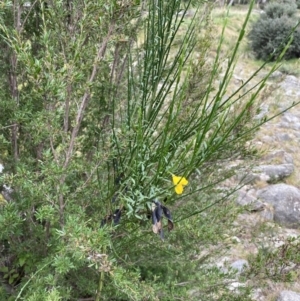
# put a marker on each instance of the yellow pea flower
(179, 183)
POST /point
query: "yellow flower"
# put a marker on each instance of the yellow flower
(179, 183)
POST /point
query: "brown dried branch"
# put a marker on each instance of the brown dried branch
(79, 117)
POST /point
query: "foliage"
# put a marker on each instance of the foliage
(279, 9)
(244, 1)
(272, 30)
(288, 68)
(277, 262)
(105, 101)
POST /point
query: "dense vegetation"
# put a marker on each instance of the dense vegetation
(271, 31)
(103, 103)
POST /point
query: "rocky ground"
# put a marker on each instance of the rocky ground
(271, 194)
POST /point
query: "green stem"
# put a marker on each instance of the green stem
(24, 286)
(101, 279)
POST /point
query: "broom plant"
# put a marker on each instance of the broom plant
(117, 117)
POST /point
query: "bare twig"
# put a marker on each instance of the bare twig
(31, 7)
(13, 78)
(79, 117)
(67, 107)
(86, 96)
(53, 150)
(8, 126)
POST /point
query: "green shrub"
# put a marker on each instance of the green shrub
(244, 2)
(288, 68)
(98, 126)
(269, 35)
(276, 262)
(277, 9)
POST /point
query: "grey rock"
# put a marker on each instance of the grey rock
(295, 126)
(240, 265)
(267, 173)
(290, 126)
(283, 137)
(284, 125)
(293, 80)
(267, 139)
(279, 157)
(267, 214)
(247, 177)
(291, 85)
(275, 172)
(7, 192)
(288, 296)
(286, 202)
(263, 111)
(290, 118)
(257, 295)
(235, 286)
(246, 199)
(275, 74)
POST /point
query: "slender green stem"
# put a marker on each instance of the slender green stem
(29, 280)
(101, 281)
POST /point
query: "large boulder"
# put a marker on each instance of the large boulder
(276, 172)
(288, 296)
(286, 202)
(267, 173)
(263, 211)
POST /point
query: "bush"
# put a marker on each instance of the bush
(288, 68)
(99, 125)
(277, 9)
(269, 35)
